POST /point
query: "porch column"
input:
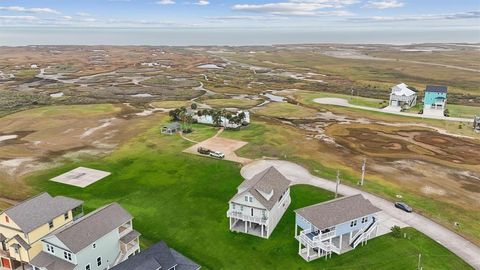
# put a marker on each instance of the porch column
(246, 226)
(308, 252)
(230, 220)
(299, 247)
(262, 230)
(296, 230)
(341, 240)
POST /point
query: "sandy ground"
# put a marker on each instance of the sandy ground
(226, 146)
(299, 175)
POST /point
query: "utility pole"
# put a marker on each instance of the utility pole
(419, 259)
(364, 165)
(338, 183)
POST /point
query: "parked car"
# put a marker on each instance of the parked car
(403, 206)
(203, 151)
(217, 154)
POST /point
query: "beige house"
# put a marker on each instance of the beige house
(260, 203)
(25, 224)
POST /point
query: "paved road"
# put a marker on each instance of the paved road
(299, 175)
(344, 103)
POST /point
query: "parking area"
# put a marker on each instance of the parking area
(226, 146)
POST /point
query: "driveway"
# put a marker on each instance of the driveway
(299, 175)
(344, 103)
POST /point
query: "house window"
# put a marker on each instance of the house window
(353, 223)
(364, 219)
(99, 261)
(65, 216)
(7, 219)
(67, 255)
(246, 198)
(50, 224)
(233, 206)
(241, 207)
(87, 267)
(94, 245)
(50, 248)
(250, 199)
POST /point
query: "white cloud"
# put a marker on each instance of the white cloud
(18, 18)
(422, 17)
(299, 7)
(30, 10)
(202, 2)
(67, 17)
(165, 2)
(83, 14)
(384, 4)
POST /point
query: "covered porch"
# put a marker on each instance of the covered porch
(253, 228)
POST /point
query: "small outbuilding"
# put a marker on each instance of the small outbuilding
(172, 128)
(476, 123)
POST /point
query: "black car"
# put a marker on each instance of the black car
(403, 206)
(203, 151)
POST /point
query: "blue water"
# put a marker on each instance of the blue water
(18, 36)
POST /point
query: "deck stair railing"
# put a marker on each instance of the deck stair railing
(363, 233)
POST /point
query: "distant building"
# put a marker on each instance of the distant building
(225, 122)
(34, 66)
(476, 123)
(158, 256)
(337, 226)
(97, 241)
(260, 203)
(172, 128)
(402, 96)
(435, 98)
(24, 225)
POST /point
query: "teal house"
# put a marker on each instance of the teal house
(435, 97)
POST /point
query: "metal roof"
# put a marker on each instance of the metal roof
(436, 88)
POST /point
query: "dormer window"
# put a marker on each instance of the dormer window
(50, 224)
(50, 249)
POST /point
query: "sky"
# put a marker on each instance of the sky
(246, 15)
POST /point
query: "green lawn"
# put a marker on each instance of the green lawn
(463, 111)
(308, 97)
(285, 110)
(182, 199)
(231, 102)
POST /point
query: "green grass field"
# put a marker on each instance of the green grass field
(230, 102)
(285, 110)
(182, 199)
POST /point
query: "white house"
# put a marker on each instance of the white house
(337, 226)
(402, 96)
(208, 119)
(97, 241)
(260, 203)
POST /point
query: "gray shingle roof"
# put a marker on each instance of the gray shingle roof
(2, 237)
(266, 181)
(130, 237)
(20, 241)
(158, 256)
(39, 210)
(174, 125)
(338, 211)
(436, 88)
(93, 226)
(51, 262)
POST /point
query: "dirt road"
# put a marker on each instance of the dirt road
(299, 175)
(344, 103)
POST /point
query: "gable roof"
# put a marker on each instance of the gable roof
(51, 262)
(267, 182)
(158, 256)
(436, 88)
(402, 90)
(338, 211)
(39, 210)
(20, 241)
(93, 226)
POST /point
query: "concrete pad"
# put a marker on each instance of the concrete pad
(80, 177)
(226, 146)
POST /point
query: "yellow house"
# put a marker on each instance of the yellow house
(23, 226)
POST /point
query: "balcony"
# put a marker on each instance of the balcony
(125, 229)
(239, 215)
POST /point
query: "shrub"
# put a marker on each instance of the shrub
(396, 231)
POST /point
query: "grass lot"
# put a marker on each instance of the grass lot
(170, 104)
(182, 199)
(285, 110)
(354, 100)
(285, 142)
(235, 103)
(463, 111)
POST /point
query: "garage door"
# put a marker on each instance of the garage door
(6, 263)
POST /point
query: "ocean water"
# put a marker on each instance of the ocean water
(19, 36)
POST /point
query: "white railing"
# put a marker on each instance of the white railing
(317, 243)
(327, 235)
(364, 235)
(240, 215)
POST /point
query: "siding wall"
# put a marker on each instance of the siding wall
(430, 97)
